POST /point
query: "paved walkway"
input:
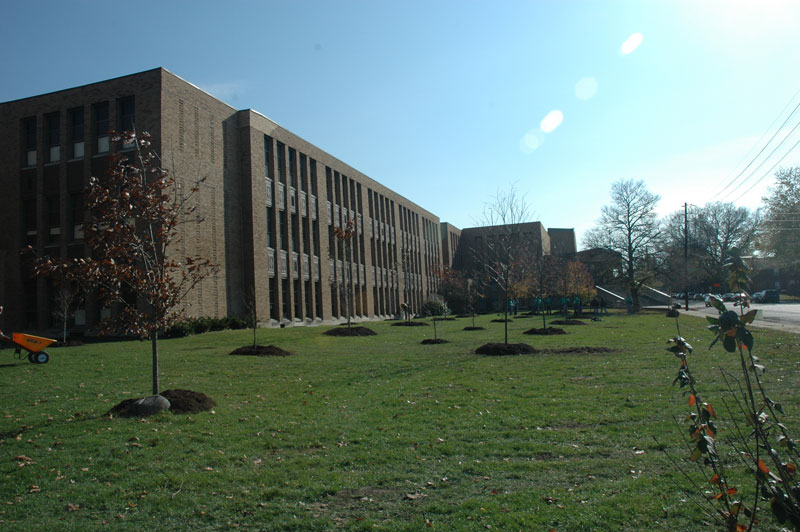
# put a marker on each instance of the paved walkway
(782, 316)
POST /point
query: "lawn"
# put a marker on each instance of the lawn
(368, 433)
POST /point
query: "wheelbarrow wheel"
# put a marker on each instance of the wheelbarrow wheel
(42, 357)
(32, 358)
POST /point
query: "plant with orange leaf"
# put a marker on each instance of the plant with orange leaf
(756, 432)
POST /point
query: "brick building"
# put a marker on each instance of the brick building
(270, 202)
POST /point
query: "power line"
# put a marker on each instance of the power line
(761, 138)
(768, 171)
(764, 160)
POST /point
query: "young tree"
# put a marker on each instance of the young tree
(63, 300)
(713, 230)
(344, 237)
(135, 214)
(629, 226)
(779, 236)
(506, 250)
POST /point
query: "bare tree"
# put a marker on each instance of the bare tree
(779, 236)
(252, 310)
(64, 298)
(136, 211)
(629, 226)
(344, 236)
(504, 254)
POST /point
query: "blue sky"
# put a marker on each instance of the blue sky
(444, 100)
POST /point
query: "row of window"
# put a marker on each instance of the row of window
(76, 131)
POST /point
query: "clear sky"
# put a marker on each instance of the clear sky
(447, 101)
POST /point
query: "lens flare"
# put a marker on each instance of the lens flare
(631, 44)
(551, 121)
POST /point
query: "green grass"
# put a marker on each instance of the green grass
(367, 433)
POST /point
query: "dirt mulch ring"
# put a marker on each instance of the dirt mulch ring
(583, 349)
(525, 349)
(505, 349)
(260, 351)
(410, 324)
(187, 401)
(429, 341)
(509, 320)
(470, 328)
(568, 322)
(352, 331)
(444, 319)
(180, 402)
(546, 331)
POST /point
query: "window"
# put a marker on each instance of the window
(100, 129)
(125, 108)
(292, 167)
(281, 163)
(29, 141)
(125, 120)
(52, 138)
(267, 156)
(76, 134)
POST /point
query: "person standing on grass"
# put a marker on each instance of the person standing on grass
(577, 305)
(603, 306)
(629, 304)
(595, 306)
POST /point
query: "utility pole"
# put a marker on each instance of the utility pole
(686, 254)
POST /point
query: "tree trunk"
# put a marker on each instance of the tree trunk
(505, 312)
(154, 338)
(64, 336)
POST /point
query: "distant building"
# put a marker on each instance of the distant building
(270, 202)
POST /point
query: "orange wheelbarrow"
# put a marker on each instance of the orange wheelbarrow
(34, 345)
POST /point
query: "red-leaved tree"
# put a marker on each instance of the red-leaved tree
(135, 212)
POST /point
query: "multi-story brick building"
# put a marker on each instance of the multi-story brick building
(270, 201)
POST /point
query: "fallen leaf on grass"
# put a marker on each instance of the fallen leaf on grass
(73, 507)
(415, 496)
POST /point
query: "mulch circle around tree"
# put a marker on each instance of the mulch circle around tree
(187, 401)
(509, 320)
(546, 331)
(261, 351)
(493, 349)
(410, 324)
(352, 331)
(444, 319)
(428, 341)
(525, 349)
(180, 402)
(470, 328)
(568, 322)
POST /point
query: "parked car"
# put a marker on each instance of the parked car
(708, 297)
(767, 296)
(728, 296)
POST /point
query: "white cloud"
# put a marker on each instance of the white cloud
(586, 88)
(631, 44)
(552, 121)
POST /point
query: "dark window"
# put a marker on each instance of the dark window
(29, 141)
(52, 125)
(29, 214)
(270, 228)
(292, 167)
(76, 132)
(281, 163)
(313, 177)
(267, 156)
(125, 112)
(303, 186)
(100, 127)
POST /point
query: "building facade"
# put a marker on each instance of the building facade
(269, 203)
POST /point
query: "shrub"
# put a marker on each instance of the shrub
(434, 306)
